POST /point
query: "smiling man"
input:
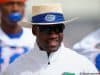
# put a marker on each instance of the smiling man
(49, 37)
(49, 55)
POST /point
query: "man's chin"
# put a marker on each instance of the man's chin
(53, 49)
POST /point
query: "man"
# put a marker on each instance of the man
(49, 56)
(14, 40)
(90, 47)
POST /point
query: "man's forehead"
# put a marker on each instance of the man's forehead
(47, 25)
(13, 0)
(50, 26)
(6, 1)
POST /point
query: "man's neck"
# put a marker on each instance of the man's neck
(10, 29)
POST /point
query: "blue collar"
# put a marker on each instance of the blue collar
(17, 35)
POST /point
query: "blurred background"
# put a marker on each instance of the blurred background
(88, 12)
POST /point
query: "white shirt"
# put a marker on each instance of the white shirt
(89, 46)
(64, 60)
(11, 48)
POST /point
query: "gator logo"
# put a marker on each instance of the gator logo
(50, 18)
(68, 73)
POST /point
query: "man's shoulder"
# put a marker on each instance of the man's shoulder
(1, 32)
(72, 54)
(72, 57)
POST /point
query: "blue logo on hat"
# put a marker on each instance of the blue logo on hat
(50, 17)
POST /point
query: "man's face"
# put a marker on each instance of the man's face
(49, 37)
(11, 7)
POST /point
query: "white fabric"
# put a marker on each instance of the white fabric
(89, 46)
(25, 40)
(36, 63)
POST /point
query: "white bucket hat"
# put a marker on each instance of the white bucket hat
(46, 14)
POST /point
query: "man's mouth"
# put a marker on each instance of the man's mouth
(52, 42)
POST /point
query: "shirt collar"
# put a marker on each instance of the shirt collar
(42, 56)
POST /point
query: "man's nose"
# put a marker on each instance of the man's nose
(15, 8)
(53, 34)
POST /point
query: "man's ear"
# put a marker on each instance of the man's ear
(34, 29)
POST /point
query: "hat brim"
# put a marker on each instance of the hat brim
(64, 22)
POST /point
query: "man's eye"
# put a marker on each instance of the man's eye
(13, 3)
(9, 3)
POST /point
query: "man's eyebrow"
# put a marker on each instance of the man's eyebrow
(12, 2)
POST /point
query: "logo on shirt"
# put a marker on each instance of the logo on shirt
(68, 73)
